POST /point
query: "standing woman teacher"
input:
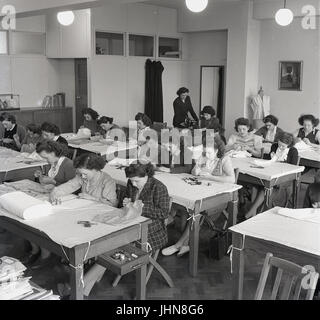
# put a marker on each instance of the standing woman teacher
(182, 106)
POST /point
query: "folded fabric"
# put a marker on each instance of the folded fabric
(308, 214)
(239, 154)
(302, 146)
(263, 163)
(24, 206)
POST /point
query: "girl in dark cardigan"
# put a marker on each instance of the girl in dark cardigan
(283, 151)
(61, 168)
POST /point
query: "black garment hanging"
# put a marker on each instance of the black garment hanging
(153, 91)
(220, 114)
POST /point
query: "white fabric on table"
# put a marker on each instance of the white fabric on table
(274, 171)
(105, 149)
(62, 227)
(291, 232)
(181, 192)
(11, 160)
(310, 154)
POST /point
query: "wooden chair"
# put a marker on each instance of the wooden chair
(296, 277)
(153, 264)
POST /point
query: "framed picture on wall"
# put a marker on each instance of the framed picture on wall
(290, 75)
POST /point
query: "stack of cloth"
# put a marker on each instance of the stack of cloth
(14, 286)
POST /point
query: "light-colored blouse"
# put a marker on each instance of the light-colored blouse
(103, 189)
(216, 167)
(251, 141)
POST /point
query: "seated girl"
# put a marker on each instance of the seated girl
(61, 168)
(61, 171)
(312, 197)
(106, 124)
(95, 184)
(245, 139)
(212, 165)
(52, 132)
(31, 139)
(90, 120)
(270, 132)
(308, 133)
(143, 125)
(14, 133)
(283, 151)
(156, 202)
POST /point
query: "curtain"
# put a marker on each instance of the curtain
(220, 105)
(153, 91)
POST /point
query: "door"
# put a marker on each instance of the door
(81, 88)
(212, 89)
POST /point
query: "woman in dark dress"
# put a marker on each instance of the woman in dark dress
(182, 106)
(308, 133)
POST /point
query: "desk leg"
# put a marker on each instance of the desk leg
(74, 154)
(76, 259)
(237, 267)
(268, 193)
(295, 190)
(233, 209)
(194, 226)
(141, 274)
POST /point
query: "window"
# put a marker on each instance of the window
(109, 43)
(3, 42)
(169, 48)
(141, 46)
(28, 43)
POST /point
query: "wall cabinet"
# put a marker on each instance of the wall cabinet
(62, 117)
(72, 41)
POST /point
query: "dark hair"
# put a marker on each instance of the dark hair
(215, 142)
(182, 90)
(94, 114)
(9, 117)
(90, 162)
(51, 146)
(286, 138)
(209, 110)
(50, 127)
(144, 118)
(242, 122)
(309, 117)
(140, 170)
(2, 116)
(105, 120)
(34, 128)
(272, 119)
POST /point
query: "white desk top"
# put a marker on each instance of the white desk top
(181, 192)
(11, 160)
(276, 170)
(295, 232)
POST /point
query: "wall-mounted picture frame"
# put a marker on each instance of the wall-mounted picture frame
(290, 75)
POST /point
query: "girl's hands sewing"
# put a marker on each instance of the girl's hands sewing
(86, 196)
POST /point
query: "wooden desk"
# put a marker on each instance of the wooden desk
(76, 254)
(13, 166)
(268, 177)
(295, 240)
(195, 199)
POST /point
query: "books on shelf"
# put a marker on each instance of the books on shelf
(14, 286)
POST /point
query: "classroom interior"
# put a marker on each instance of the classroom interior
(59, 74)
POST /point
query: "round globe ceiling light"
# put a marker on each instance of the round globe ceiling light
(65, 18)
(284, 17)
(196, 5)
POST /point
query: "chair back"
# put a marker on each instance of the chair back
(290, 278)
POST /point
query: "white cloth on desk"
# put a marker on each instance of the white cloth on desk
(63, 228)
(288, 231)
(274, 171)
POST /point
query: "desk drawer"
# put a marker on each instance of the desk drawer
(135, 258)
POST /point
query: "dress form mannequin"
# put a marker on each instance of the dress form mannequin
(260, 105)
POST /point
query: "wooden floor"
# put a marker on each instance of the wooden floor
(213, 280)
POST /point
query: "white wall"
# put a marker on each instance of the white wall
(204, 48)
(290, 43)
(118, 83)
(34, 76)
